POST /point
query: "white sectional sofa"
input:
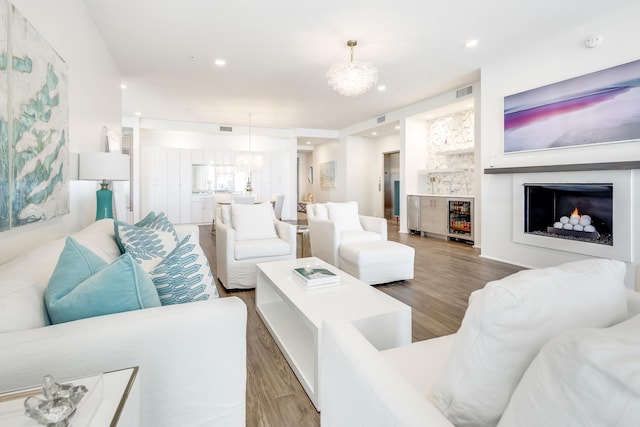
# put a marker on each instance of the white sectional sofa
(191, 357)
(576, 341)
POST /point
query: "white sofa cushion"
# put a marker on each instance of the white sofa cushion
(409, 361)
(249, 249)
(21, 305)
(583, 377)
(253, 222)
(184, 275)
(320, 211)
(345, 216)
(508, 322)
(99, 238)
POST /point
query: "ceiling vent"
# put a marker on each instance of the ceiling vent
(381, 119)
(226, 129)
(464, 91)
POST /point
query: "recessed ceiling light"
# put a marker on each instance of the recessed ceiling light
(220, 62)
(374, 133)
(138, 113)
(123, 86)
(397, 127)
(308, 142)
(471, 43)
(382, 88)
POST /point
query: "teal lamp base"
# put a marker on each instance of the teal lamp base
(104, 196)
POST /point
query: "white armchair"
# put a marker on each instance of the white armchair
(247, 235)
(334, 224)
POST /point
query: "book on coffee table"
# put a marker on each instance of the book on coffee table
(316, 276)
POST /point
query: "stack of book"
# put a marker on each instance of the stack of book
(316, 276)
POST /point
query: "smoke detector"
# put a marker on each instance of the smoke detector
(593, 41)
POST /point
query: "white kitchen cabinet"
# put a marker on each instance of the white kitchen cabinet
(165, 181)
(153, 179)
(202, 209)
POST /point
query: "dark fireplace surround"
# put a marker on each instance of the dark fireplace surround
(546, 203)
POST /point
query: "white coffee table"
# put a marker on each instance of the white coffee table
(294, 314)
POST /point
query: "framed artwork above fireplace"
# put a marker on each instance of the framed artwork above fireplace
(596, 108)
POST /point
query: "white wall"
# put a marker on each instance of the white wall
(94, 102)
(560, 59)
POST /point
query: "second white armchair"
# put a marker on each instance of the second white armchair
(357, 244)
(247, 234)
(334, 224)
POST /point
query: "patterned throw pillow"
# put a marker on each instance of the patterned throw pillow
(184, 275)
(148, 241)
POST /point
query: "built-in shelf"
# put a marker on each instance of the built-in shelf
(566, 168)
(449, 170)
(454, 152)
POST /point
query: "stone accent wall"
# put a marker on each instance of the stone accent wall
(450, 159)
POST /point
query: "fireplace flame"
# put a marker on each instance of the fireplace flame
(575, 212)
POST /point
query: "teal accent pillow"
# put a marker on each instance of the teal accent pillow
(148, 243)
(82, 287)
(184, 275)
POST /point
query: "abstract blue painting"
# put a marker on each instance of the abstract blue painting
(600, 107)
(34, 116)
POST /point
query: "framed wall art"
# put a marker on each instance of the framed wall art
(596, 108)
(328, 174)
(34, 121)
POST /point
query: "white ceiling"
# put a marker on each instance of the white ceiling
(278, 52)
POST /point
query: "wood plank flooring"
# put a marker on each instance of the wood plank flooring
(445, 274)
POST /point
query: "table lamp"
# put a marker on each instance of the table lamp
(99, 166)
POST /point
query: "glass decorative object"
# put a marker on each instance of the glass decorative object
(57, 406)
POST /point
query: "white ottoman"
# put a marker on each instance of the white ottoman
(377, 262)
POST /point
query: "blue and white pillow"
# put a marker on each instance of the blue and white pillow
(148, 241)
(184, 275)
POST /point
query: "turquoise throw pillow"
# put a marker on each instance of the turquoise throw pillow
(148, 241)
(75, 264)
(184, 275)
(114, 288)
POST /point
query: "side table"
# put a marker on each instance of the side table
(113, 399)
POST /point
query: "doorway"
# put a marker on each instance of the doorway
(392, 185)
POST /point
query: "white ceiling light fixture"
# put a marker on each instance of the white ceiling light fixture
(471, 43)
(352, 78)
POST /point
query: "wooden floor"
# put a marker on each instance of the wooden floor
(445, 274)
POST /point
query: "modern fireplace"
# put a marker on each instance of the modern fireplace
(572, 211)
(586, 212)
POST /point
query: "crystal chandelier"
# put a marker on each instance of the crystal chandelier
(352, 78)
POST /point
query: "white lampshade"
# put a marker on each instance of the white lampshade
(98, 166)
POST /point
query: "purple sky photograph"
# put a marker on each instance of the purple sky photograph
(599, 107)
